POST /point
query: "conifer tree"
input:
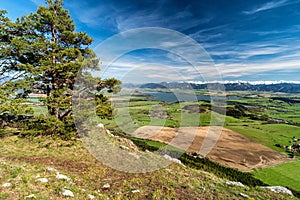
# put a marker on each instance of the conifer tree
(44, 54)
(13, 83)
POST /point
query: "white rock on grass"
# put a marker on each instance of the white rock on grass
(29, 196)
(67, 193)
(124, 147)
(51, 169)
(109, 133)
(106, 186)
(135, 191)
(166, 156)
(61, 176)
(43, 180)
(6, 184)
(244, 195)
(101, 126)
(235, 183)
(279, 189)
(91, 196)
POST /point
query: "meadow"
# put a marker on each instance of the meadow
(287, 174)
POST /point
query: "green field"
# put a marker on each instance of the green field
(274, 108)
(268, 134)
(174, 115)
(287, 174)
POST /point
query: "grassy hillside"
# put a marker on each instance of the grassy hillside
(25, 160)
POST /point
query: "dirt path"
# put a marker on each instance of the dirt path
(231, 149)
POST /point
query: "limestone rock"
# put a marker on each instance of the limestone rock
(43, 180)
(106, 186)
(279, 189)
(135, 191)
(234, 183)
(6, 184)
(67, 193)
(29, 196)
(61, 176)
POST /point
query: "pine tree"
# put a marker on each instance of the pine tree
(43, 52)
(13, 83)
(63, 53)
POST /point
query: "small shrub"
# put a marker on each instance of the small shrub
(49, 125)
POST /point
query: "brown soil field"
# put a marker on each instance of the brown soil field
(226, 147)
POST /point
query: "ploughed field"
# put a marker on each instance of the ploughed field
(231, 148)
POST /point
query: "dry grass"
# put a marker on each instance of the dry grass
(22, 160)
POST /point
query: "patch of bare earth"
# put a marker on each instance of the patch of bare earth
(231, 148)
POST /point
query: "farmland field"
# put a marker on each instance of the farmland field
(232, 149)
(287, 174)
(268, 134)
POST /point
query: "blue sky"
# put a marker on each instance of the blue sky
(246, 40)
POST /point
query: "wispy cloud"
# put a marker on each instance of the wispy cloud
(38, 2)
(269, 5)
(243, 52)
(155, 72)
(99, 17)
(122, 18)
(146, 18)
(239, 70)
(173, 68)
(291, 30)
(241, 44)
(141, 72)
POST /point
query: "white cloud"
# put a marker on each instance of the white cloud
(132, 70)
(148, 18)
(269, 5)
(242, 52)
(169, 44)
(176, 58)
(261, 51)
(135, 71)
(242, 69)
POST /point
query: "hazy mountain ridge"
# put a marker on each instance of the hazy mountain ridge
(275, 87)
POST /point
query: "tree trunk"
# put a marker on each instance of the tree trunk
(55, 106)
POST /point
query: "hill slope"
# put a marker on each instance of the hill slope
(24, 161)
